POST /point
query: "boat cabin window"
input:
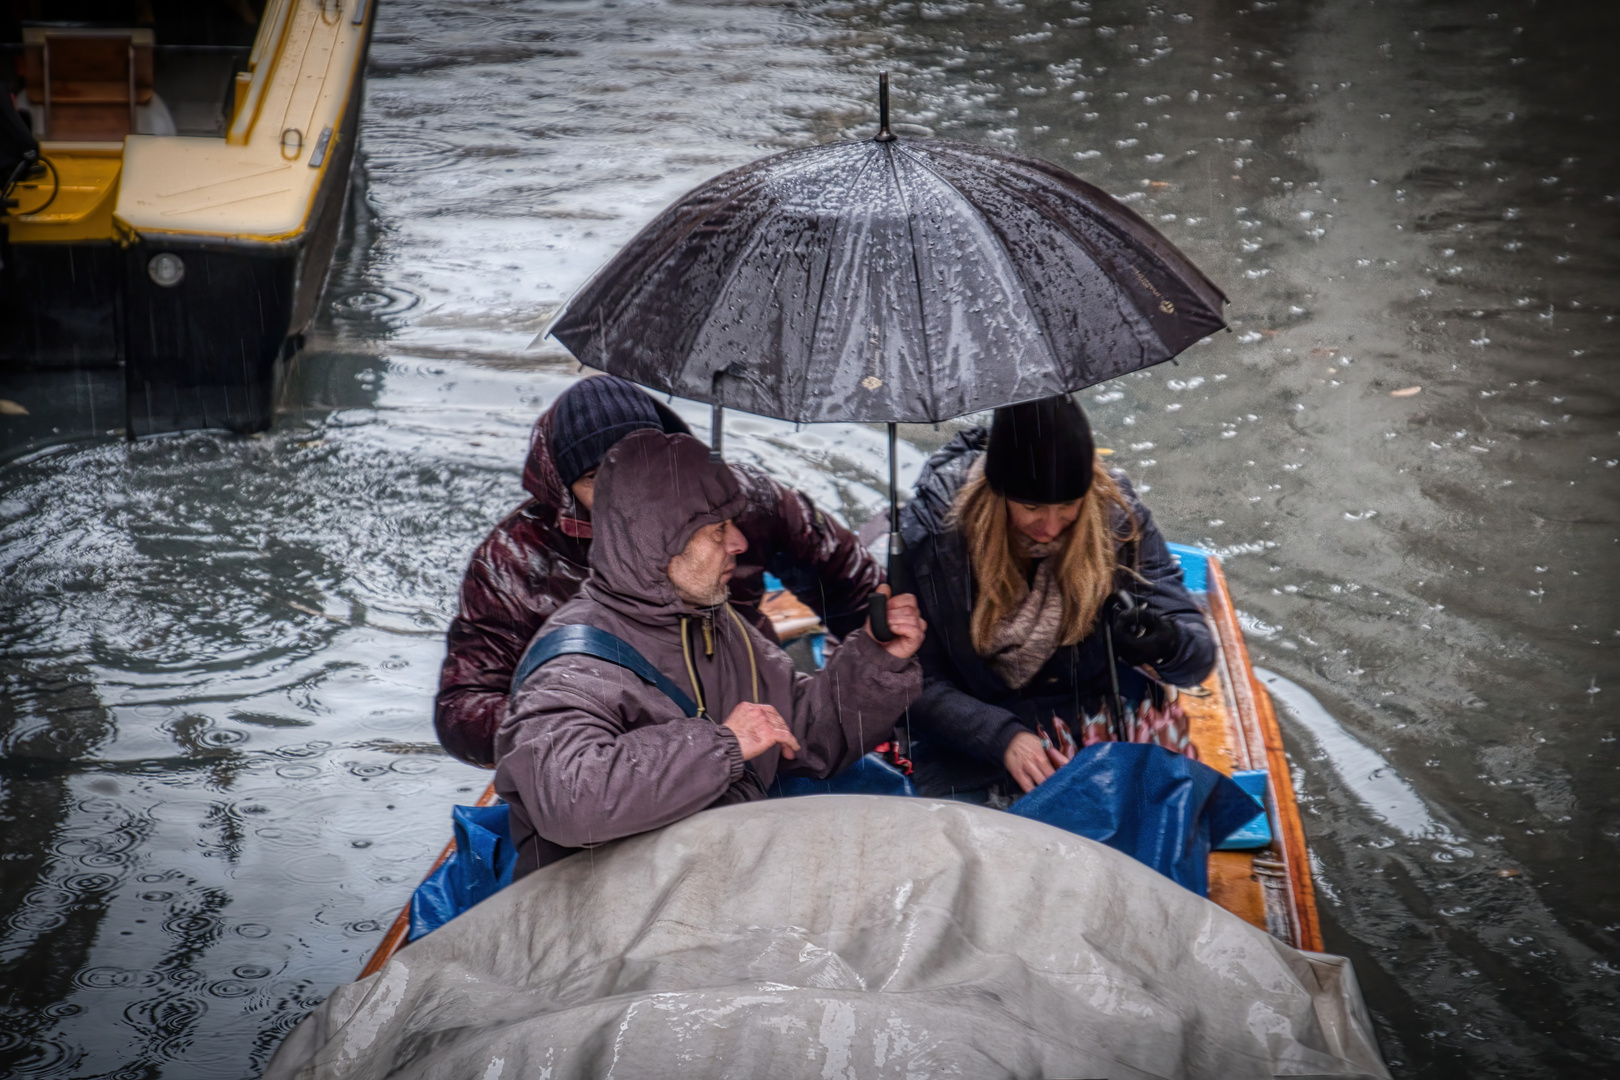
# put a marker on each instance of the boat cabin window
(97, 71)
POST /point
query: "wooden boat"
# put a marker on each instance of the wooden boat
(182, 224)
(1233, 728)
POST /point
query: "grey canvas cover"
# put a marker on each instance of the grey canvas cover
(843, 937)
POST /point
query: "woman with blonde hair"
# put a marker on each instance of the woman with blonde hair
(1020, 544)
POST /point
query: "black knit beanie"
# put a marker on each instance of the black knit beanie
(592, 415)
(1040, 452)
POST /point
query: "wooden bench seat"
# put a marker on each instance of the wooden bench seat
(84, 84)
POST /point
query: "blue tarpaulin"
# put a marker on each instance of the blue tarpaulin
(871, 775)
(479, 867)
(1159, 807)
(1257, 833)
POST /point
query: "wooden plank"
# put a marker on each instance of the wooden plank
(1212, 728)
(1234, 885)
(1215, 730)
(790, 617)
(394, 940)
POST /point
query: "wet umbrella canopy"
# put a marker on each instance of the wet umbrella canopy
(889, 280)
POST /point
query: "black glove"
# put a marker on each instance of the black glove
(1140, 635)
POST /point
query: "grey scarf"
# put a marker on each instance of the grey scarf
(1022, 643)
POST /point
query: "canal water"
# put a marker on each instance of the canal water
(218, 654)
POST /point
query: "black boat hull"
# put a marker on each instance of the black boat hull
(205, 353)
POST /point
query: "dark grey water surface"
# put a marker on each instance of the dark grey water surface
(220, 780)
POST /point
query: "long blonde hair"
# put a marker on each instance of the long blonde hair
(1085, 568)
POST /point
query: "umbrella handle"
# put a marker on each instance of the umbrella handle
(877, 612)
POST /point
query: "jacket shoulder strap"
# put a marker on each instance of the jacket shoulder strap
(590, 641)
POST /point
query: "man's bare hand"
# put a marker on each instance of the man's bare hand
(1031, 761)
(905, 623)
(758, 728)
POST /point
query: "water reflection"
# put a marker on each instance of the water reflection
(218, 777)
(1367, 775)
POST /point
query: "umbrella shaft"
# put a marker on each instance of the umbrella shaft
(894, 502)
(883, 135)
(717, 433)
(1117, 721)
(877, 604)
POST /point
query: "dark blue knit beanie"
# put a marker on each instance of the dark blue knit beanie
(592, 415)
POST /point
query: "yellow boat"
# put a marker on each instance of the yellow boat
(181, 222)
(1234, 729)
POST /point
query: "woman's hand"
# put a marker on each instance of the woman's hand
(1030, 761)
(1142, 636)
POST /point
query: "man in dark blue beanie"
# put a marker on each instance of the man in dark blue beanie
(535, 560)
(592, 415)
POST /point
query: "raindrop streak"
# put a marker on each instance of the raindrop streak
(218, 654)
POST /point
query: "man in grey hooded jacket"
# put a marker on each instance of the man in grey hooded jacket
(590, 752)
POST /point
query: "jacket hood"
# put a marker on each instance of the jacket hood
(653, 491)
(941, 478)
(540, 477)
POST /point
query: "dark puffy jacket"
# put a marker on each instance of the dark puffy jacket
(534, 561)
(965, 706)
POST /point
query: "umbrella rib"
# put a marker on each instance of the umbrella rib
(916, 268)
(990, 226)
(1104, 221)
(650, 230)
(736, 264)
(821, 291)
(1112, 217)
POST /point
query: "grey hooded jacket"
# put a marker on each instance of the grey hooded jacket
(589, 753)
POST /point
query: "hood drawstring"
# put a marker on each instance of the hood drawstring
(708, 641)
(753, 665)
(691, 669)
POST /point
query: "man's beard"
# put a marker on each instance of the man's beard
(717, 596)
(721, 591)
(714, 595)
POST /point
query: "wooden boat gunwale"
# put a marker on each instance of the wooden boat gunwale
(394, 939)
(1257, 721)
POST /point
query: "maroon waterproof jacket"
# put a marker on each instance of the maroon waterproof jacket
(534, 561)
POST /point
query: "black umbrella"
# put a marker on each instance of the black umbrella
(889, 280)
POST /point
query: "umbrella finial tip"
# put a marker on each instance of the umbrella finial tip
(884, 134)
